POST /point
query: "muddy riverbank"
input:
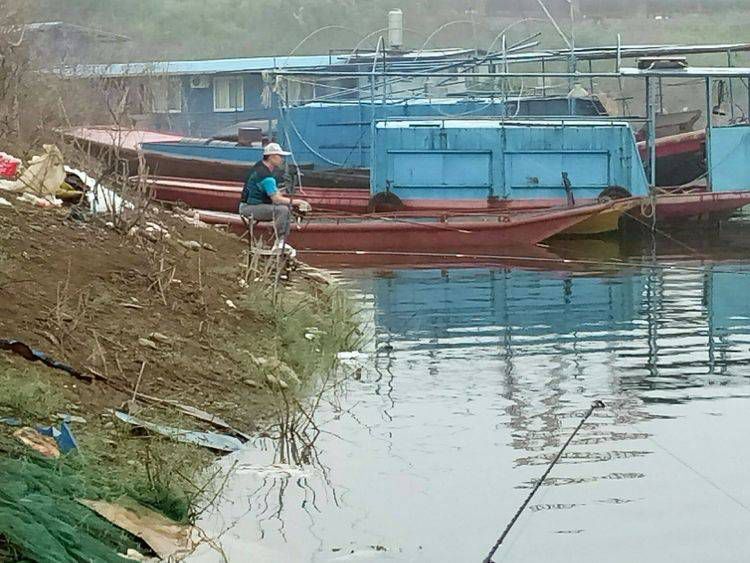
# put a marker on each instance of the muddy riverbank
(164, 314)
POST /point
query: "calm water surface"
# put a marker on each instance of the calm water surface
(473, 379)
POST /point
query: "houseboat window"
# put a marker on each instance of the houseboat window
(166, 96)
(229, 94)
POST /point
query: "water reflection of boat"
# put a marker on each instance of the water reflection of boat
(437, 232)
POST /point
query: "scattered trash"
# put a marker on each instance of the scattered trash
(257, 360)
(146, 343)
(45, 445)
(8, 165)
(231, 304)
(159, 337)
(4, 202)
(151, 231)
(205, 417)
(192, 218)
(11, 421)
(44, 174)
(207, 246)
(33, 355)
(50, 201)
(101, 199)
(167, 538)
(190, 244)
(62, 436)
(131, 305)
(210, 440)
(251, 382)
(76, 214)
(65, 417)
(133, 555)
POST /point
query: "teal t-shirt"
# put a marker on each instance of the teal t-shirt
(259, 186)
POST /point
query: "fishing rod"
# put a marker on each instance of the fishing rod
(595, 405)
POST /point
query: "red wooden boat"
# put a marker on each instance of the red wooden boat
(671, 203)
(696, 203)
(680, 158)
(422, 233)
(225, 196)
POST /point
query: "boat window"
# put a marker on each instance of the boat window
(166, 95)
(229, 93)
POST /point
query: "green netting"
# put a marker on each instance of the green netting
(40, 519)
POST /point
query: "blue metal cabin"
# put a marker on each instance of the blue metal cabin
(338, 134)
(482, 158)
(331, 135)
(730, 154)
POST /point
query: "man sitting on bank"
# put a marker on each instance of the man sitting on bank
(261, 199)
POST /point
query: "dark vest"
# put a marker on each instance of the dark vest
(253, 193)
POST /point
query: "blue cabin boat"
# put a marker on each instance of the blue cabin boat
(482, 159)
(331, 135)
(337, 135)
(207, 149)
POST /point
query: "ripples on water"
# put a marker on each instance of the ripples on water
(474, 379)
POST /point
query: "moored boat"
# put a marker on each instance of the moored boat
(225, 197)
(423, 232)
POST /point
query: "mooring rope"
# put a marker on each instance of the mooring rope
(595, 405)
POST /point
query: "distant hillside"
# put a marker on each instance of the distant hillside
(179, 29)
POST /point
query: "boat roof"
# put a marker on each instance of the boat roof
(692, 72)
(121, 137)
(415, 59)
(494, 122)
(627, 51)
(453, 100)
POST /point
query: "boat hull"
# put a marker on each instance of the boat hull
(671, 203)
(606, 221)
(699, 205)
(419, 234)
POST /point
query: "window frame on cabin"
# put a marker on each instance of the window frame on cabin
(165, 91)
(239, 96)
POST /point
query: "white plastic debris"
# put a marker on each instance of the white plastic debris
(4, 202)
(191, 244)
(44, 202)
(231, 304)
(101, 199)
(44, 174)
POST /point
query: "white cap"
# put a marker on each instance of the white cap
(274, 148)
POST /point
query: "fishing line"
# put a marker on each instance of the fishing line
(595, 405)
(693, 469)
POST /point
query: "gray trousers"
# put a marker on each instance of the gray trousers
(279, 214)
